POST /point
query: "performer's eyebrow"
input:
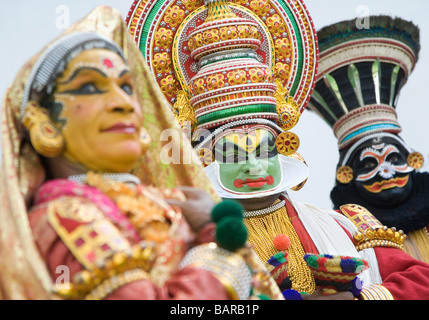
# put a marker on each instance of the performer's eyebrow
(378, 154)
(78, 70)
(124, 72)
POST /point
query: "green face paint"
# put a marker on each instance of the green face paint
(248, 162)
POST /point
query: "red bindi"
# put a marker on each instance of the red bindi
(108, 63)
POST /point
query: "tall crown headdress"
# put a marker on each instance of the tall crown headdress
(223, 63)
(361, 73)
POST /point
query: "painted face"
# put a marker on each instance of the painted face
(382, 173)
(98, 113)
(248, 162)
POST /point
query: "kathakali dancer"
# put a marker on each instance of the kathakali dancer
(361, 74)
(237, 74)
(80, 119)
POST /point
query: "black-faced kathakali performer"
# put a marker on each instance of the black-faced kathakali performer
(80, 119)
(361, 74)
(238, 74)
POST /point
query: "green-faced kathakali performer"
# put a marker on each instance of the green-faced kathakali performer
(238, 74)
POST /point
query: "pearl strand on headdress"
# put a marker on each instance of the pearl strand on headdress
(120, 177)
(260, 212)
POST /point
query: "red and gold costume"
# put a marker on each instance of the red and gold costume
(400, 276)
(78, 226)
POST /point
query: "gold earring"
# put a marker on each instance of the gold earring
(287, 143)
(145, 139)
(46, 139)
(415, 160)
(344, 174)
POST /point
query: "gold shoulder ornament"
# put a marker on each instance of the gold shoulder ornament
(371, 233)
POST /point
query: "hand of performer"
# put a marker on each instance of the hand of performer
(197, 208)
(317, 295)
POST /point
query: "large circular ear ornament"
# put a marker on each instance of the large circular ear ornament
(206, 156)
(415, 160)
(344, 174)
(287, 143)
(45, 137)
(145, 139)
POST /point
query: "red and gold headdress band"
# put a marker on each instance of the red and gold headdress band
(225, 63)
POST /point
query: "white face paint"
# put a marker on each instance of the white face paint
(385, 168)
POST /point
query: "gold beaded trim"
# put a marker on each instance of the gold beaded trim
(110, 285)
(120, 269)
(379, 243)
(381, 237)
(375, 292)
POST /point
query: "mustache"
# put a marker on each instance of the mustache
(379, 186)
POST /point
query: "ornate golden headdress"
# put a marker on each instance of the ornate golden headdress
(223, 63)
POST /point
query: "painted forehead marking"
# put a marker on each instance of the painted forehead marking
(247, 141)
(372, 137)
(378, 146)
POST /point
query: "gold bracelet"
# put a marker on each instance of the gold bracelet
(228, 267)
(375, 292)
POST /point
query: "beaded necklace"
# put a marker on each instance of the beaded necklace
(263, 225)
(119, 177)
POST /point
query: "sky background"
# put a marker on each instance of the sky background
(27, 25)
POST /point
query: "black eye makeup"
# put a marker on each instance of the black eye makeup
(396, 158)
(266, 149)
(88, 88)
(230, 153)
(128, 88)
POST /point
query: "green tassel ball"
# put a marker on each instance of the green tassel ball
(231, 233)
(227, 208)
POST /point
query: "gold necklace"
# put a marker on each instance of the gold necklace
(148, 213)
(263, 228)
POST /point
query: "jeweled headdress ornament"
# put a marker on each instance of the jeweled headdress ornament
(361, 74)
